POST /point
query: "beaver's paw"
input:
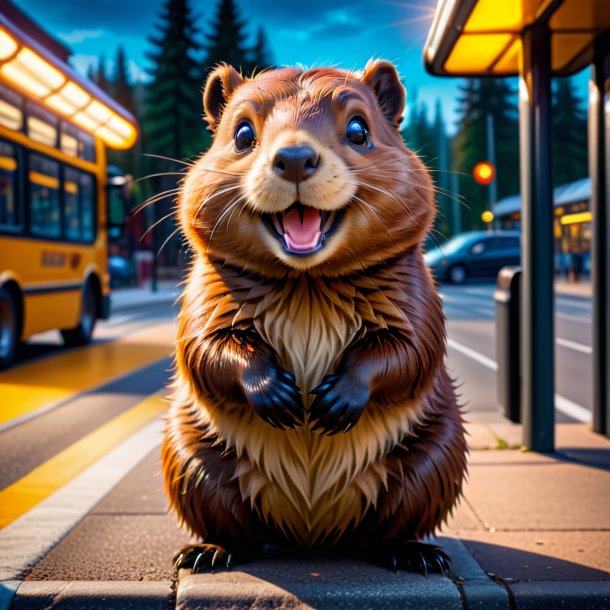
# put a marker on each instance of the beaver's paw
(273, 394)
(418, 557)
(339, 403)
(201, 556)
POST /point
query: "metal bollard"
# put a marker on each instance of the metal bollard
(508, 342)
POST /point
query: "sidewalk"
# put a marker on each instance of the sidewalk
(125, 299)
(582, 288)
(532, 531)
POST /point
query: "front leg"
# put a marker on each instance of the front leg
(384, 366)
(237, 366)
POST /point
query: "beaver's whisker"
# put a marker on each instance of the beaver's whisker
(187, 163)
(141, 178)
(157, 223)
(226, 211)
(372, 209)
(155, 198)
(167, 240)
(218, 193)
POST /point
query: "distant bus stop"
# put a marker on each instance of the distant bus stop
(536, 39)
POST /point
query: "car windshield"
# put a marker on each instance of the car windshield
(457, 243)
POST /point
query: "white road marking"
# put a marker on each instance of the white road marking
(33, 535)
(562, 404)
(579, 347)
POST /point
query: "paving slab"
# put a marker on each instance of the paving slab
(115, 547)
(554, 595)
(316, 583)
(81, 595)
(526, 491)
(542, 555)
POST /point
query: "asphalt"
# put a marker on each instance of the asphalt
(532, 530)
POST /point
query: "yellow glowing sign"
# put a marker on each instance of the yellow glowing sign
(571, 219)
(484, 172)
(487, 216)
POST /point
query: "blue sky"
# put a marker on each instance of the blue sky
(340, 32)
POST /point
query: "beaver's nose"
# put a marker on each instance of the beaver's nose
(296, 163)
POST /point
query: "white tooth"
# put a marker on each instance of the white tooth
(329, 221)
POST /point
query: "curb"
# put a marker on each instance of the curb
(92, 595)
(156, 299)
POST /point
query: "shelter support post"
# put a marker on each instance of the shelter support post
(537, 308)
(599, 156)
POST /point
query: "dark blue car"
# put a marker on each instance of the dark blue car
(474, 254)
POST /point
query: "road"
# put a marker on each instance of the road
(80, 489)
(470, 312)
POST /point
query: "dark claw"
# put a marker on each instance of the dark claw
(393, 563)
(229, 562)
(423, 565)
(214, 560)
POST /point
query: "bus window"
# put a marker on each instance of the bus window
(45, 212)
(11, 115)
(87, 146)
(79, 205)
(88, 207)
(10, 212)
(72, 216)
(42, 125)
(69, 144)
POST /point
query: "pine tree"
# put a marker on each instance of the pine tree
(226, 41)
(261, 56)
(569, 134)
(172, 121)
(121, 85)
(172, 125)
(101, 77)
(480, 98)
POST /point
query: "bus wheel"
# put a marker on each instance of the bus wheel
(8, 329)
(81, 334)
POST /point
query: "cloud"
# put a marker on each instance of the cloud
(76, 36)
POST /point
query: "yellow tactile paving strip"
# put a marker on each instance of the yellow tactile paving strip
(47, 478)
(30, 387)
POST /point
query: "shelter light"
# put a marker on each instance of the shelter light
(487, 216)
(75, 94)
(8, 46)
(57, 102)
(85, 121)
(110, 137)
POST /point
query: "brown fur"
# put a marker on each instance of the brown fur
(363, 308)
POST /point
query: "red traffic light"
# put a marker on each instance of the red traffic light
(484, 172)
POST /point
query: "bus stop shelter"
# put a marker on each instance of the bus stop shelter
(534, 40)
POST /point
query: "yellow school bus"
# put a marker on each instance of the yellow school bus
(55, 126)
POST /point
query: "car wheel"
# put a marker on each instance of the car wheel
(8, 329)
(81, 334)
(457, 274)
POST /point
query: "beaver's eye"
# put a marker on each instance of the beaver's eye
(357, 132)
(244, 136)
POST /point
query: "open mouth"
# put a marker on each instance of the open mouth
(301, 229)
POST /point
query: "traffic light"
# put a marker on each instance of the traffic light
(484, 172)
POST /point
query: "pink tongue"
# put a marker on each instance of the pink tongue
(302, 236)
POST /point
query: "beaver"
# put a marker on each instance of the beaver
(311, 404)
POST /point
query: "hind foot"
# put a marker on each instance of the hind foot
(418, 557)
(201, 556)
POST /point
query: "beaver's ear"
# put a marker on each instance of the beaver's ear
(382, 78)
(219, 87)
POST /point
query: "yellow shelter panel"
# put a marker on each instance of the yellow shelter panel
(582, 15)
(476, 52)
(509, 62)
(503, 15)
(566, 47)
